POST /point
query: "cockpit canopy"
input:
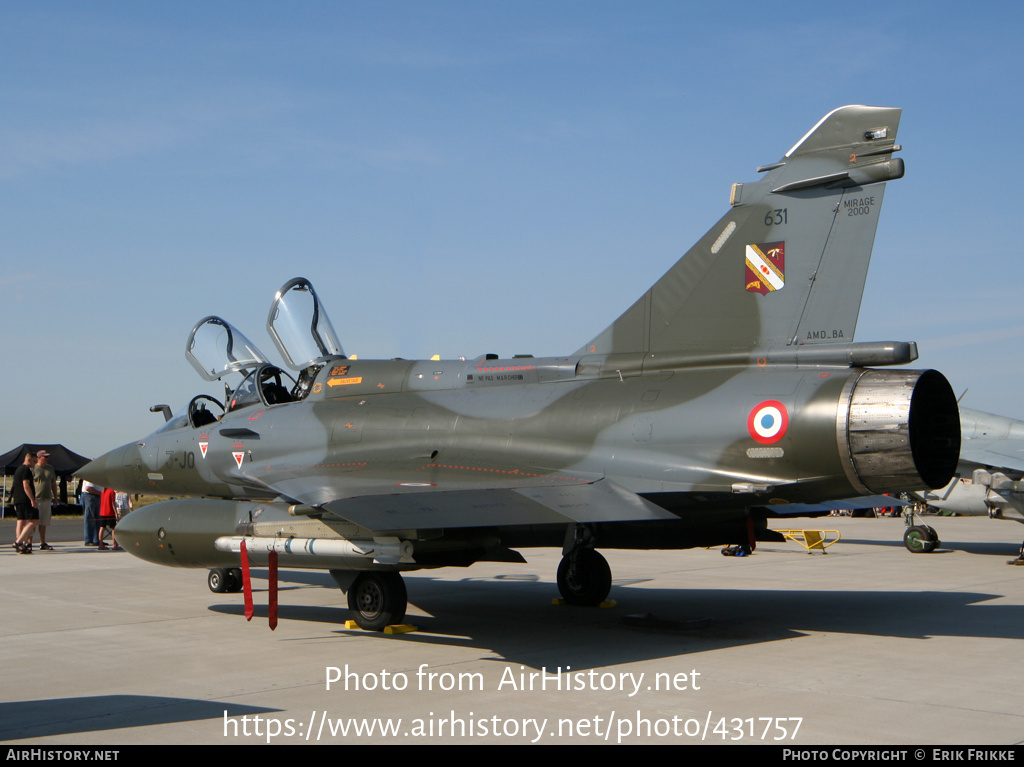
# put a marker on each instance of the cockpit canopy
(266, 385)
(299, 326)
(215, 348)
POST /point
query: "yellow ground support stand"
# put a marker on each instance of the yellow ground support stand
(812, 540)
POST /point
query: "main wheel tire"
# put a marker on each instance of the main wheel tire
(585, 581)
(234, 580)
(219, 580)
(932, 536)
(917, 540)
(377, 600)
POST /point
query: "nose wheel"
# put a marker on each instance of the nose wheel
(225, 580)
(377, 599)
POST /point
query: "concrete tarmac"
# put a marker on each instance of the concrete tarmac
(868, 644)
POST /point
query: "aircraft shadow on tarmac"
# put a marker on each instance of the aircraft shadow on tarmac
(514, 618)
(68, 716)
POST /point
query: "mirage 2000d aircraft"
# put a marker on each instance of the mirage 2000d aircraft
(729, 392)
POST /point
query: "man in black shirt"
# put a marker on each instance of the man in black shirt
(24, 496)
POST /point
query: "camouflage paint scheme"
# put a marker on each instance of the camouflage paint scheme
(730, 392)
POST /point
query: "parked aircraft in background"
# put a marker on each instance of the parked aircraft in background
(988, 478)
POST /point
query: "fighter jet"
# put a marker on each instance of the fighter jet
(731, 391)
(988, 481)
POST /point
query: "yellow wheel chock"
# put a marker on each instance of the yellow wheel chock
(812, 540)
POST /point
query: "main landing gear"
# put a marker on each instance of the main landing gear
(225, 580)
(377, 599)
(584, 577)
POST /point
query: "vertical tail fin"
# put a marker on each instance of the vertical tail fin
(787, 264)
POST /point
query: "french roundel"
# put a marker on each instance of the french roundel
(768, 421)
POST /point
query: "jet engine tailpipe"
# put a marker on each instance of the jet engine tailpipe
(898, 430)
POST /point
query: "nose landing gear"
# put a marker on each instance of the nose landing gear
(225, 580)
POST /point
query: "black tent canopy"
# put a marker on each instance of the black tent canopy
(65, 462)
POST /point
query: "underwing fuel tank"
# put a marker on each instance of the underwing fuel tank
(181, 533)
(187, 533)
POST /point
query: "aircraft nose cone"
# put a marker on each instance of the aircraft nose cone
(99, 471)
(117, 469)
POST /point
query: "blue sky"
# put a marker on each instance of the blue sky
(462, 177)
